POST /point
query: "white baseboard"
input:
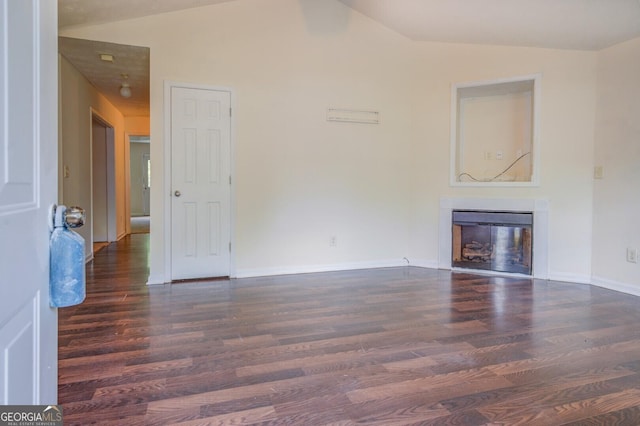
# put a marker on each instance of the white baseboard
(424, 263)
(570, 278)
(308, 269)
(626, 288)
(155, 280)
(616, 286)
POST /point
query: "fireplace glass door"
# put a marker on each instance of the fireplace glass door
(495, 241)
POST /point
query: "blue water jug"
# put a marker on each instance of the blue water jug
(67, 279)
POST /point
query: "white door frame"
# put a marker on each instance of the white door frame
(166, 198)
(127, 183)
(146, 199)
(112, 234)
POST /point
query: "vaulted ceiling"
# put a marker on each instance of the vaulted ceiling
(559, 24)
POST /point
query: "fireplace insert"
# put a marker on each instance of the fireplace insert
(492, 240)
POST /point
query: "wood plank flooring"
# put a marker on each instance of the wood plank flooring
(398, 346)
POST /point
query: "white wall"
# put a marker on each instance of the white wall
(77, 98)
(493, 124)
(566, 143)
(301, 180)
(616, 200)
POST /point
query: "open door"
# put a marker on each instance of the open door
(28, 187)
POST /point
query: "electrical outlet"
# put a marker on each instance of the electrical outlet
(333, 241)
(498, 155)
(598, 172)
(632, 255)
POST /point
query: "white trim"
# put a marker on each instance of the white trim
(424, 263)
(570, 278)
(156, 280)
(166, 191)
(616, 286)
(633, 290)
(168, 85)
(127, 183)
(110, 159)
(232, 171)
(309, 269)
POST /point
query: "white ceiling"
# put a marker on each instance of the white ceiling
(73, 13)
(563, 24)
(107, 77)
(559, 24)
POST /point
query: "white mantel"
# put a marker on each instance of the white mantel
(539, 208)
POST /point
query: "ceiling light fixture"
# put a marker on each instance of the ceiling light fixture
(125, 89)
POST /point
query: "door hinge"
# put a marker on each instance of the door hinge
(229, 180)
(230, 112)
(229, 247)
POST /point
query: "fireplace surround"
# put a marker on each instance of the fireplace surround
(539, 208)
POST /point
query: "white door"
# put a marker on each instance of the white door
(200, 182)
(28, 186)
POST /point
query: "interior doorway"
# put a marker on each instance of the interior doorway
(102, 214)
(140, 183)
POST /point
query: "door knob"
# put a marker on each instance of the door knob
(71, 217)
(74, 217)
(177, 193)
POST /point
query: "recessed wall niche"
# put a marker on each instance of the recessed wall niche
(494, 132)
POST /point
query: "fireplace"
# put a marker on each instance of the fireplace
(500, 241)
(540, 233)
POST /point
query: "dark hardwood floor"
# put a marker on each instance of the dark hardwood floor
(398, 346)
